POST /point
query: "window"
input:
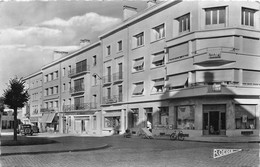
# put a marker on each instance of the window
(69, 86)
(46, 92)
(215, 16)
(138, 40)
(94, 99)
(94, 80)
(56, 90)
(158, 32)
(94, 60)
(245, 116)
(51, 76)
(109, 74)
(108, 93)
(56, 104)
(138, 64)
(108, 50)
(120, 69)
(79, 85)
(119, 45)
(135, 117)
(94, 122)
(51, 91)
(138, 88)
(247, 17)
(185, 117)
(56, 75)
(164, 115)
(120, 93)
(46, 78)
(64, 87)
(79, 103)
(81, 66)
(158, 85)
(158, 59)
(184, 23)
(63, 71)
(69, 69)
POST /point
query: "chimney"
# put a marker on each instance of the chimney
(151, 3)
(84, 42)
(129, 11)
(59, 54)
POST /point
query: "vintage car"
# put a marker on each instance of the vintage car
(25, 129)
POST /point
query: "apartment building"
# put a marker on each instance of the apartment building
(33, 83)
(189, 65)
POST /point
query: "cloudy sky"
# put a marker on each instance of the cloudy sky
(31, 31)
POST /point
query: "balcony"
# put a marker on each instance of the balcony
(77, 90)
(49, 109)
(77, 107)
(118, 77)
(114, 99)
(107, 80)
(214, 56)
(78, 71)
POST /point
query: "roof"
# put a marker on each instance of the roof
(146, 12)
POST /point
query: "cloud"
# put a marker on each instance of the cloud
(92, 21)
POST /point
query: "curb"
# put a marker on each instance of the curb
(56, 151)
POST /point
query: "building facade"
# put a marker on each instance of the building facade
(190, 65)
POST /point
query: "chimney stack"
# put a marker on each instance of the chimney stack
(84, 42)
(59, 54)
(151, 3)
(129, 11)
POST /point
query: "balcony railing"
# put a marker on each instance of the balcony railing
(78, 71)
(42, 110)
(107, 79)
(81, 106)
(118, 76)
(77, 89)
(214, 52)
(113, 99)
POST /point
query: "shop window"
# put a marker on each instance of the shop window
(135, 116)
(245, 116)
(185, 117)
(164, 116)
(247, 17)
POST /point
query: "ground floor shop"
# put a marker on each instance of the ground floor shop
(88, 122)
(226, 116)
(49, 122)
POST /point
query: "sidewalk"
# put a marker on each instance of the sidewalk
(219, 139)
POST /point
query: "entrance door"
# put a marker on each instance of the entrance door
(214, 122)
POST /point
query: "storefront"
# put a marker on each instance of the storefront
(49, 122)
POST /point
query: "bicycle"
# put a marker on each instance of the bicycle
(177, 136)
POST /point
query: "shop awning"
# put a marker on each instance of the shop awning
(158, 58)
(44, 117)
(138, 89)
(178, 80)
(34, 119)
(50, 117)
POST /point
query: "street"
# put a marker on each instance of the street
(141, 152)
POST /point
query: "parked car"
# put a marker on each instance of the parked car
(25, 129)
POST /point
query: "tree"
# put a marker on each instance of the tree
(15, 96)
(2, 107)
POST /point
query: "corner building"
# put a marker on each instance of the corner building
(187, 65)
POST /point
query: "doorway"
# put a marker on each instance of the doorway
(214, 122)
(214, 119)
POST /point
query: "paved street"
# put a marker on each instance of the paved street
(140, 152)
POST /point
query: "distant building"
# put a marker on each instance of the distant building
(190, 65)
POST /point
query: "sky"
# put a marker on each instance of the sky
(30, 31)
